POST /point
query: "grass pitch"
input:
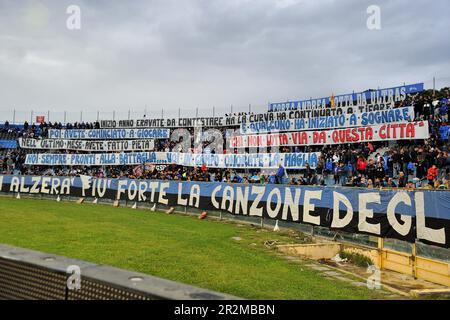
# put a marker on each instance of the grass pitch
(175, 247)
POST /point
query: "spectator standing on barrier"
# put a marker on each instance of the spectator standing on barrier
(350, 169)
(10, 165)
(404, 160)
(320, 167)
(336, 174)
(389, 164)
(328, 166)
(420, 170)
(341, 173)
(380, 172)
(371, 170)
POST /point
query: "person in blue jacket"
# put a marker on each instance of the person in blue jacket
(280, 174)
(444, 132)
(272, 179)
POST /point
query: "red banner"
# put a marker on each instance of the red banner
(40, 119)
(386, 132)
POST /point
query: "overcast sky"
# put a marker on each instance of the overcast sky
(194, 53)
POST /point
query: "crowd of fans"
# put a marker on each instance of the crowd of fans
(401, 164)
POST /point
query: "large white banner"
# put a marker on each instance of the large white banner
(238, 120)
(104, 134)
(170, 122)
(386, 132)
(254, 160)
(84, 145)
(339, 121)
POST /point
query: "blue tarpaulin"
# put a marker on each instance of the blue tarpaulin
(8, 144)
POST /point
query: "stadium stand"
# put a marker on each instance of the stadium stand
(409, 163)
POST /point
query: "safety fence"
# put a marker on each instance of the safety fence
(19, 116)
(28, 274)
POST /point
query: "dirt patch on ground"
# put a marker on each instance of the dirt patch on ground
(392, 279)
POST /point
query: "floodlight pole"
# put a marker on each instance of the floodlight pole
(434, 87)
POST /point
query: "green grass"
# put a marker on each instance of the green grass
(175, 247)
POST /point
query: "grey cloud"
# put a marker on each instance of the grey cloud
(190, 53)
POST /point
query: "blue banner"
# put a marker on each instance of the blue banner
(104, 134)
(296, 160)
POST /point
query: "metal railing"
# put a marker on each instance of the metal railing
(17, 116)
(28, 274)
